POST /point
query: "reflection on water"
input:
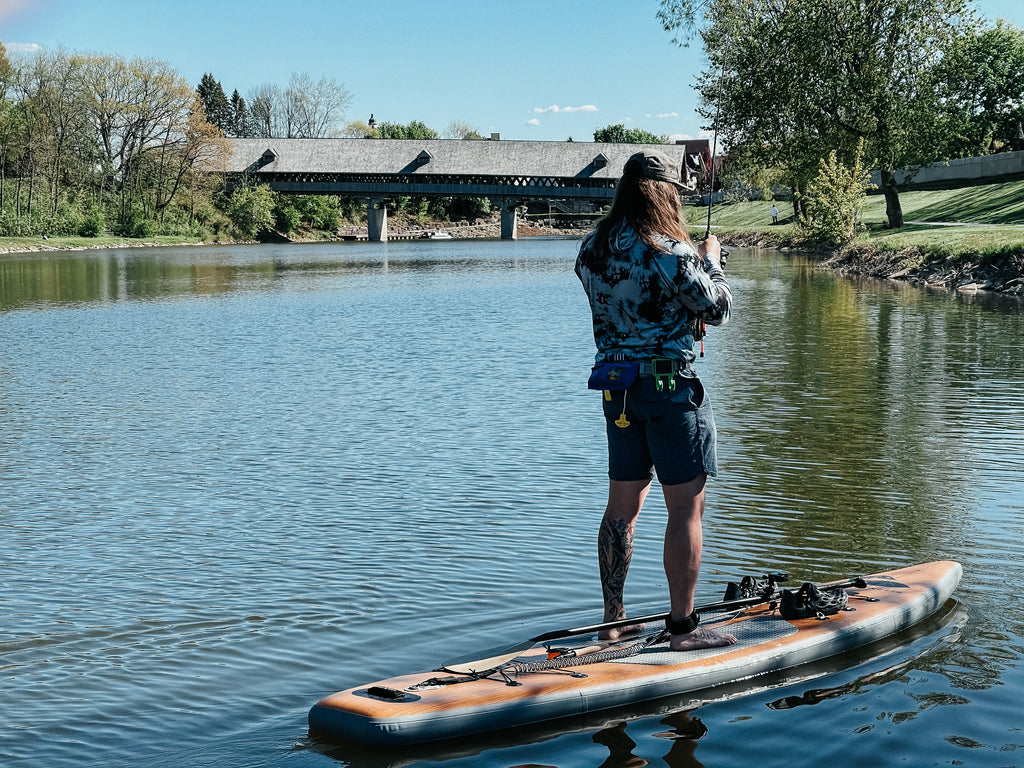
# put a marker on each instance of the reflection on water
(100, 276)
(236, 479)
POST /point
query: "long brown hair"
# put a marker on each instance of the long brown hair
(650, 207)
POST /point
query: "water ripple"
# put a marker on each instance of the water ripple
(250, 482)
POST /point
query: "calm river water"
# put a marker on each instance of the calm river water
(236, 479)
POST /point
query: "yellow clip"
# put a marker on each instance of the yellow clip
(607, 395)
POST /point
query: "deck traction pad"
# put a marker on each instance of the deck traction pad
(760, 629)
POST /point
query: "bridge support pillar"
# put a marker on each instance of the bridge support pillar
(377, 220)
(509, 216)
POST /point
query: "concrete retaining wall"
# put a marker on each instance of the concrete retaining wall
(966, 169)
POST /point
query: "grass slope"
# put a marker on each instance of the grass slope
(989, 218)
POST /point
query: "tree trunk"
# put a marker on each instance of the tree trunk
(893, 209)
(798, 208)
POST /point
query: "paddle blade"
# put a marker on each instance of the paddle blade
(489, 659)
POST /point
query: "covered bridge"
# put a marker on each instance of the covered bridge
(509, 173)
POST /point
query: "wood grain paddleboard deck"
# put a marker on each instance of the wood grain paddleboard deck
(414, 708)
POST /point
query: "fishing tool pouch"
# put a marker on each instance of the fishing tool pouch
(809, 602)
(614, 375)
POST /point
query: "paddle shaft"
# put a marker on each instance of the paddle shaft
(722, 605)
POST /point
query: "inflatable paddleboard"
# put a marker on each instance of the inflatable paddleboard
(579, 675)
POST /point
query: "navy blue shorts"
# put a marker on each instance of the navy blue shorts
(671, 432)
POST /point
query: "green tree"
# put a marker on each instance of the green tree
(287, 217)
(12, 140)
(321, 211)
(620, 134)
(149, 128)
(57, 128)
(251, 209)
(91, 126)
(6, 72)
(807, 76)
(980, 81)
(215, 103)
(241, 119)
(414, 130)
(11, 120)
(359, 129)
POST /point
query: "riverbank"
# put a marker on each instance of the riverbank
(969, 259)
(37, 244)
(10, 245)
(966, 273)
(1000, 268)
(967, 239)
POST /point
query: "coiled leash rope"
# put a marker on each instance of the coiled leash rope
(557, 659)
(569, 659)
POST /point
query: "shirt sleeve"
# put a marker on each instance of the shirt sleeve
(698, 285)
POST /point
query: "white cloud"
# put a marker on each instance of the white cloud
(666, 114)
(23, 47)
(533, 121)
(556, 109)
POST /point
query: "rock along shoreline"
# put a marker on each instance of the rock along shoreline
(965, 273)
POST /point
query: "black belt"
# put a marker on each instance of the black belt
(663, 366)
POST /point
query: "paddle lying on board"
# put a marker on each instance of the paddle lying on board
(495, 657)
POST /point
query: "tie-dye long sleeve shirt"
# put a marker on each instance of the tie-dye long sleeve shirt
(644, 301)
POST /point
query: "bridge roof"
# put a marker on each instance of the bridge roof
(564, 159)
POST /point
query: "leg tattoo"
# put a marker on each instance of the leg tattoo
(614, 550)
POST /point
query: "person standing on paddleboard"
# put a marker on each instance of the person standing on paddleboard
(651, 290)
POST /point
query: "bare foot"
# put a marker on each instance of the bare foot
(700, 638)
(619, 633)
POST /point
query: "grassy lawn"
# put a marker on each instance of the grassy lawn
(995, 210)
(950, 240)
(104, 241)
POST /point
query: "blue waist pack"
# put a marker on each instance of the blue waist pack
(614, 375)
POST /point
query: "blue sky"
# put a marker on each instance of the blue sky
(529, 69)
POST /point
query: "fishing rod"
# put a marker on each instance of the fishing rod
(714, 153)
(699, 326)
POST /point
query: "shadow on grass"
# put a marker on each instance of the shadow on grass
(991, 204)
